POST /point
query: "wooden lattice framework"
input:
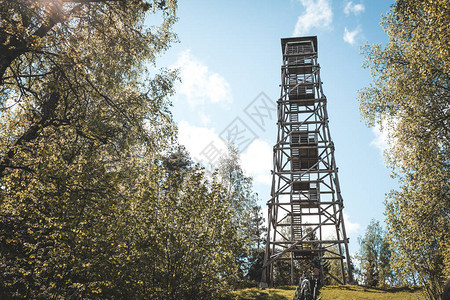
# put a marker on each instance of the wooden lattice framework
(305, 212)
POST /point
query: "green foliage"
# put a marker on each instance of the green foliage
(192, 237)
(282, 273)
(256, 261)
(96, 202)
(170, 236)
(245, 212)
(332, 267)
(81, 66)
(410, 100)
(255, 256)
(89, 206)
(374, 256)
(239, 189)
(74, 111)
(257, 228)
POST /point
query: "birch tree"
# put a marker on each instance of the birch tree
(409, 99)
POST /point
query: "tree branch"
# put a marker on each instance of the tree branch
(20, 46)
(48, 111)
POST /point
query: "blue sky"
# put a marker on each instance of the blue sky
(229, 53)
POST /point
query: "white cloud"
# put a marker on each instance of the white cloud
(257, 161)
(350, 227)
(198, 139)
(318, 14)
(355, 9)
(204, 118)
(199, 85)
(350, 36)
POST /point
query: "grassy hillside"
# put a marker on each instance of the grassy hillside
(366, 293)
(345, 292)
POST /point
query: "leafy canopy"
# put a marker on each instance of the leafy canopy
(409, 99)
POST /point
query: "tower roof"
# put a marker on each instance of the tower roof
(284, 41)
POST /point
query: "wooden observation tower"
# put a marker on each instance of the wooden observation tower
(305, 210)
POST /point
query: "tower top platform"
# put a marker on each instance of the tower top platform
(284, 41)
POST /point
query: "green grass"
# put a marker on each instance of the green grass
(352, 292)
(343, 292)
(281, 293)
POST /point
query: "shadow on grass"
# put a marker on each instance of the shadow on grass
(344, 287)
(286, 287)
(260, 294)
(370, 289)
